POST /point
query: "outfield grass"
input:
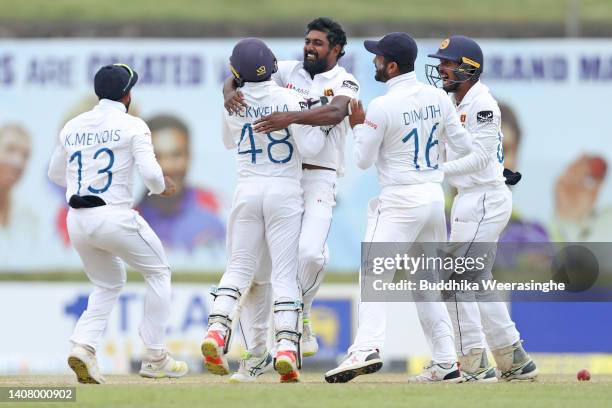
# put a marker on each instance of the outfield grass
(133, 276)
(270, 11)
(374, 391)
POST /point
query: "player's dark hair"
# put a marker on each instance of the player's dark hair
(509, 118)
(163, 121)
(403, 68)
(335, 33)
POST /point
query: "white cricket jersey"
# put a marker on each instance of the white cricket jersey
(402, 130)
(321, 90)
(275, 154)
(97, 151)
(484, 166)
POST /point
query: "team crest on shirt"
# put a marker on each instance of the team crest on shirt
(463, 117)
(310, 102)
(328, 92)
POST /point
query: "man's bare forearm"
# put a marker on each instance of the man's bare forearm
(228, 86)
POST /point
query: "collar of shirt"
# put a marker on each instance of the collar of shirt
(258, 87)
(108, 104)
(327, 74)
(402, 80)
(474, 91)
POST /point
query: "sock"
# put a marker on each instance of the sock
(286, 345)
(218, 327)
(154, 354)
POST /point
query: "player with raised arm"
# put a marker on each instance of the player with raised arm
(266, 210)
(328, 89)
(480, 212)
(400, 135)
(94, 159)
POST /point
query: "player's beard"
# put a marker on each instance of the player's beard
(315, 67)
(127, 104)
(452, 87)
(381, 73)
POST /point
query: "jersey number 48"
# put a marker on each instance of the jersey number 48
(247, 128)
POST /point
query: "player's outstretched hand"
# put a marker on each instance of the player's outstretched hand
(272, 123)
(356, 113)
(234, 102)
(170, 187)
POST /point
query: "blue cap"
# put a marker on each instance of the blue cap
(114, 81)
(252, 61)
(461, 49)
(397, 47)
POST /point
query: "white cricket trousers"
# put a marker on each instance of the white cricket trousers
(266, 216)
(105, 237)
(480, 215)
(319, 192)
(408, 213)
(319, 200)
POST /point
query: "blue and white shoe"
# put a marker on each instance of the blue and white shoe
(475, 366)
(251, 367)
(513, 363)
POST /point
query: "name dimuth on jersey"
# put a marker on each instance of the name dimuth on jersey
(92, 138)
(259, 111)
(423, 113)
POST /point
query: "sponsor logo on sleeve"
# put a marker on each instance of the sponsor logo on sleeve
(350, 85)
(484, 116)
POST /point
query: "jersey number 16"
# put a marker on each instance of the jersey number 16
(414, 135)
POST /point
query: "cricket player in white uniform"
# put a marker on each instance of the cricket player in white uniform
(328, 89)
(266, 210)
(480, 212)
(94, 159)
(400, 136)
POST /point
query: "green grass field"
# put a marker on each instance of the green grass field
(270, 11)
(374, 391)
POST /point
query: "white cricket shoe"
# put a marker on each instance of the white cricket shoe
(164, 367)
(440, 373)
(251, 367)
(357, 363)
(309, 340)
(514, 363)
(84, 364)
(484, 374)
(475, 366)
